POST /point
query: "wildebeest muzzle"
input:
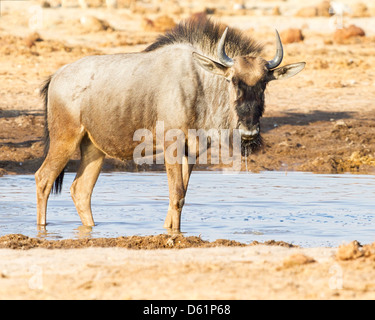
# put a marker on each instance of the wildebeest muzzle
(251, 140)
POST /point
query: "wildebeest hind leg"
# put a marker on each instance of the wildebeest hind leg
(60, 150)
(84, 182)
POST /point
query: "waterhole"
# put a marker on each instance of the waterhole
(300, 208)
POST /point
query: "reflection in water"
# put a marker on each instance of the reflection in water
(301, 208)
(83, 232)
(42, 231)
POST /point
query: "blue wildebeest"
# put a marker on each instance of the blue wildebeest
(200, 75)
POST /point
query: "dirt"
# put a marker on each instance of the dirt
(322, 121)
(218, 272)
(162, 241)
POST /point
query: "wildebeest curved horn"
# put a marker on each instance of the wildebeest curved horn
(279, 54)
(223, 58)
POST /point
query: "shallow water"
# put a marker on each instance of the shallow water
(300, 208)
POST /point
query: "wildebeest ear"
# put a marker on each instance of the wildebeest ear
(211, 65)
(286, 72)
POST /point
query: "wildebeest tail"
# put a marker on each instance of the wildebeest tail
(57, 186)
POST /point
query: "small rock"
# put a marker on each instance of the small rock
(360, 10)
(45, 4)
(355, 31)
(292, 35)
(349, 251)
(307, 12)
(340, 124)
(32, 38)
(276, 11)
(93, 24)
(160, 24)
(323, 9)
(342, 35)
(284, 144)
(170, 242)
(297, 259)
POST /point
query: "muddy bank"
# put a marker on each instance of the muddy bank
(162, 241)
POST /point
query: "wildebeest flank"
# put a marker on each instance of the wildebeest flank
(201, 75)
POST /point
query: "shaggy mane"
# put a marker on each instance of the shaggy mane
(204, 34)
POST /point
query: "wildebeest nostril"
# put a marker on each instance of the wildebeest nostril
(249, 133)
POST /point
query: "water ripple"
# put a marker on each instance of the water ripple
(301, 208)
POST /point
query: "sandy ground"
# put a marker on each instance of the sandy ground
(251, 272)
(321, 121)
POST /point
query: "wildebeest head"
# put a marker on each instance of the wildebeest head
(248, 76)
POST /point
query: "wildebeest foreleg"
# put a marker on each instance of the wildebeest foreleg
(186, 172)
(178, 178)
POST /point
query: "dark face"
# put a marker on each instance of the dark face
(249, 106)
(248, 77)
(249, 82)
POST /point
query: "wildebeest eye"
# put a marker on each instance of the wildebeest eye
(239, 93)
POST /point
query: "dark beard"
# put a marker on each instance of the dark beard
(251, 146)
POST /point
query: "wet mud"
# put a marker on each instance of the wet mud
(162, 241)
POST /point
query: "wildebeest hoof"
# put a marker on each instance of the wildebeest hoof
(173, 231)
